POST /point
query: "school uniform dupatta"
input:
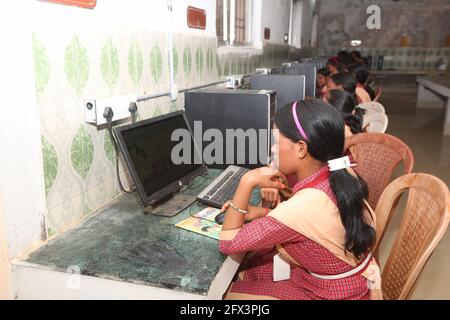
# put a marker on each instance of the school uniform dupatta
(313, 214)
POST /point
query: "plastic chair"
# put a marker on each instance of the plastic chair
(375, 122)
(377, 156)
(372, 107)
(423, 225)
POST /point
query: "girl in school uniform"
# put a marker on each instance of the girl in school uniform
(363, 91)
(353, 116)
(317, 244)
(322, 78)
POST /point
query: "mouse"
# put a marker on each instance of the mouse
(220, 217)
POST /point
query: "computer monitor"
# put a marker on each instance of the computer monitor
(147, 150)
(250, 111)
(310, 73)
(277, 70)
(288, 88)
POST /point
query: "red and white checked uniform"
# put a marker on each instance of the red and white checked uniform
(260, 238)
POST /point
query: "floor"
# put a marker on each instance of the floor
(422, 131)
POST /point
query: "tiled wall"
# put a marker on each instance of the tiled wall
(401, 58)
(79, 160)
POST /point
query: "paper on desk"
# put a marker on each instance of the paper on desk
(203, 223)
(208, 214)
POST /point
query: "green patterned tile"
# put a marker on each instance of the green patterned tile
(219, 71)
(226, 69)
(109, 148)
(199, 60)
(135, 63)
(109, 63)
(175, 61)
(156, 63)
(41, 65)
(50, 158)
(82, 152)
(51, 232)
(86, 211)
(157, 112)
(210, 60)
(187, 61)
(76, 64)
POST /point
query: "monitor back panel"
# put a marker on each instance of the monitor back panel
(288, 88)
(232, 109)
(310, 73)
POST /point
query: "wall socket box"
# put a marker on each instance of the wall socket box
(94, 108)
(234, 81)
(263, 70)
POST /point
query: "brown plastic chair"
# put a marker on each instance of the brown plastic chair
(377, 156)
(423, 225)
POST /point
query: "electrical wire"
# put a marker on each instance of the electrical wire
(116, 148)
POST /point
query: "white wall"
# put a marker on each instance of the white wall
(152, 15)
(21, 169)
(303, 12)
(275, 16)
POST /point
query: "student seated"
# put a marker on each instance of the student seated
(322, 78)
(346, 59)
(334, 65)
(353, 116)
(364, 92)
(324, 233)
(343, 81)
(357, 57)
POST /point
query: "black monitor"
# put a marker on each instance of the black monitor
(147, 150)
(277, 70)
(310, 73)
(288, 88)
(250, 111)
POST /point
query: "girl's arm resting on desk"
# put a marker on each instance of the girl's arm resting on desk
(261, 233)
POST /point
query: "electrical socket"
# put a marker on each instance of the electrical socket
(263, 71)
(234, 81)
(94, 108)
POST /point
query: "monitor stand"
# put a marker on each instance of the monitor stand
(171, 206)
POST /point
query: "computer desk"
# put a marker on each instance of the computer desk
(434, 92)
(120, 243)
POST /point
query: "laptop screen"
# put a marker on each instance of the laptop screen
(147, 148)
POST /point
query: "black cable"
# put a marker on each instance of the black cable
(108, 115)
(122, 188)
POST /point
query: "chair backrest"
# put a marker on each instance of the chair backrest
(423, 225)
(375, 122)
(377, 156)
(372, 107)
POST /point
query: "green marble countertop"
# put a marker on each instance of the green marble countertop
(121, 243)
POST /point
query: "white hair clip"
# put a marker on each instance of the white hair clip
(340, 164)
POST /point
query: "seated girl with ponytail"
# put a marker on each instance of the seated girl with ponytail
(352, 115)
(363, 91)
(317, 244)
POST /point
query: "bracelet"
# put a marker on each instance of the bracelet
(237, 209)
